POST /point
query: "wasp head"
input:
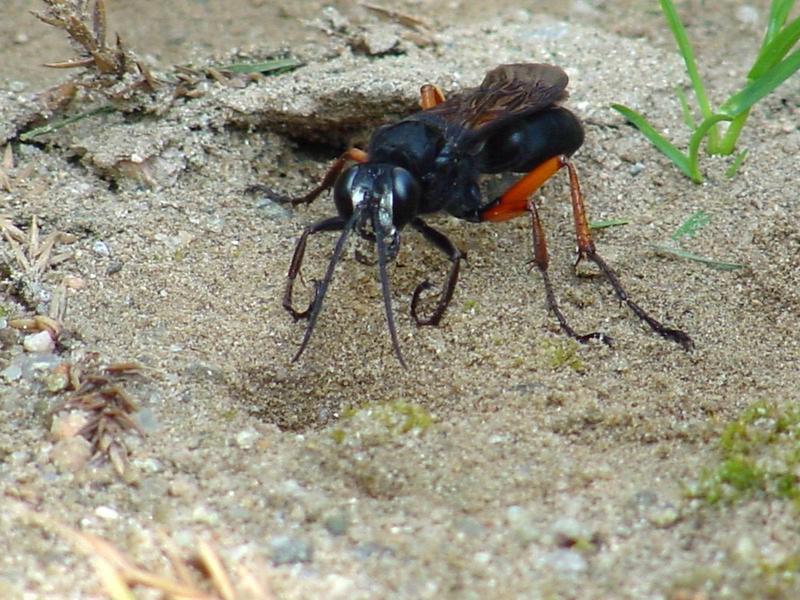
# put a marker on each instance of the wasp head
(377, 201)
(384, 198)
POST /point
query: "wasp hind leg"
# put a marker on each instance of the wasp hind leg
(542, 260)
(516, 201)
(586, 249)
(455, 255)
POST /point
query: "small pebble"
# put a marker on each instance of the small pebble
(522, 525)
(247, 438)
(338, 586)
(56, 380)
(12, 372)
(272, 209)
(468, 526)
(107, 513)
(203, 514)
(101, 248)
(564, 561)
(71, 454)
(147, 420)
(39, 342)
(380, 41)
(568, 532)
(636, 168)
(150, 465)
(288, 550)
(74, 283)
(662, 515)
(366, 550)
(337, 522)
(747, 551)
(8, 337)
(747, 14)
(68, 425)
(182, 486)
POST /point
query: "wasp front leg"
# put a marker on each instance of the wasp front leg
(455, 255)
(332, 224)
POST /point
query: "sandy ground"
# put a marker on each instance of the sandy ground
(537, 479)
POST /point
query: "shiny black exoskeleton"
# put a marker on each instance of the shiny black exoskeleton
(432, 161)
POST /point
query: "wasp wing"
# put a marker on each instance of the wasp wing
(507, 92)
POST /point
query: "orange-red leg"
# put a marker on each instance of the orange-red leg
(429, 96)
(514, 201)
(586, 249)
(333, 172)
(517, 200)
(541, 260)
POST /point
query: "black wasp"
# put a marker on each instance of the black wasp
(432, 161)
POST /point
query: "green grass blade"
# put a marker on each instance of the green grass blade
(56, 125)
(608, 223)
(689, 228)
(778, 13)
(755, 91)
(775, 50)
(688, 117)
(728, 143)
(658, 140)
(717, 264)
(685, 48)
(281, 65)
(697, 138)
(737, 162)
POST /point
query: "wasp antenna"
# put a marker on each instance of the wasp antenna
(322, 288)
(387, 298)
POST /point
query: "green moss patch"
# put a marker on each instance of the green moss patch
(760, 455)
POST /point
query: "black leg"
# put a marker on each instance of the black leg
(331, 224)
(455, 255)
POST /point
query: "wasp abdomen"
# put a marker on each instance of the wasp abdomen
(522, 145)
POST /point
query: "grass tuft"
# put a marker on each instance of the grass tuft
(774, 63)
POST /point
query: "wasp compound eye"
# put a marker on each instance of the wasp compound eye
(343, 191)
(405, 196)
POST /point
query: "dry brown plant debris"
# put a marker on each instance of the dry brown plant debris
(97, 391)
(5, 167)
(29, 257)
(202, 577)
(75, 17)
(33, 253)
